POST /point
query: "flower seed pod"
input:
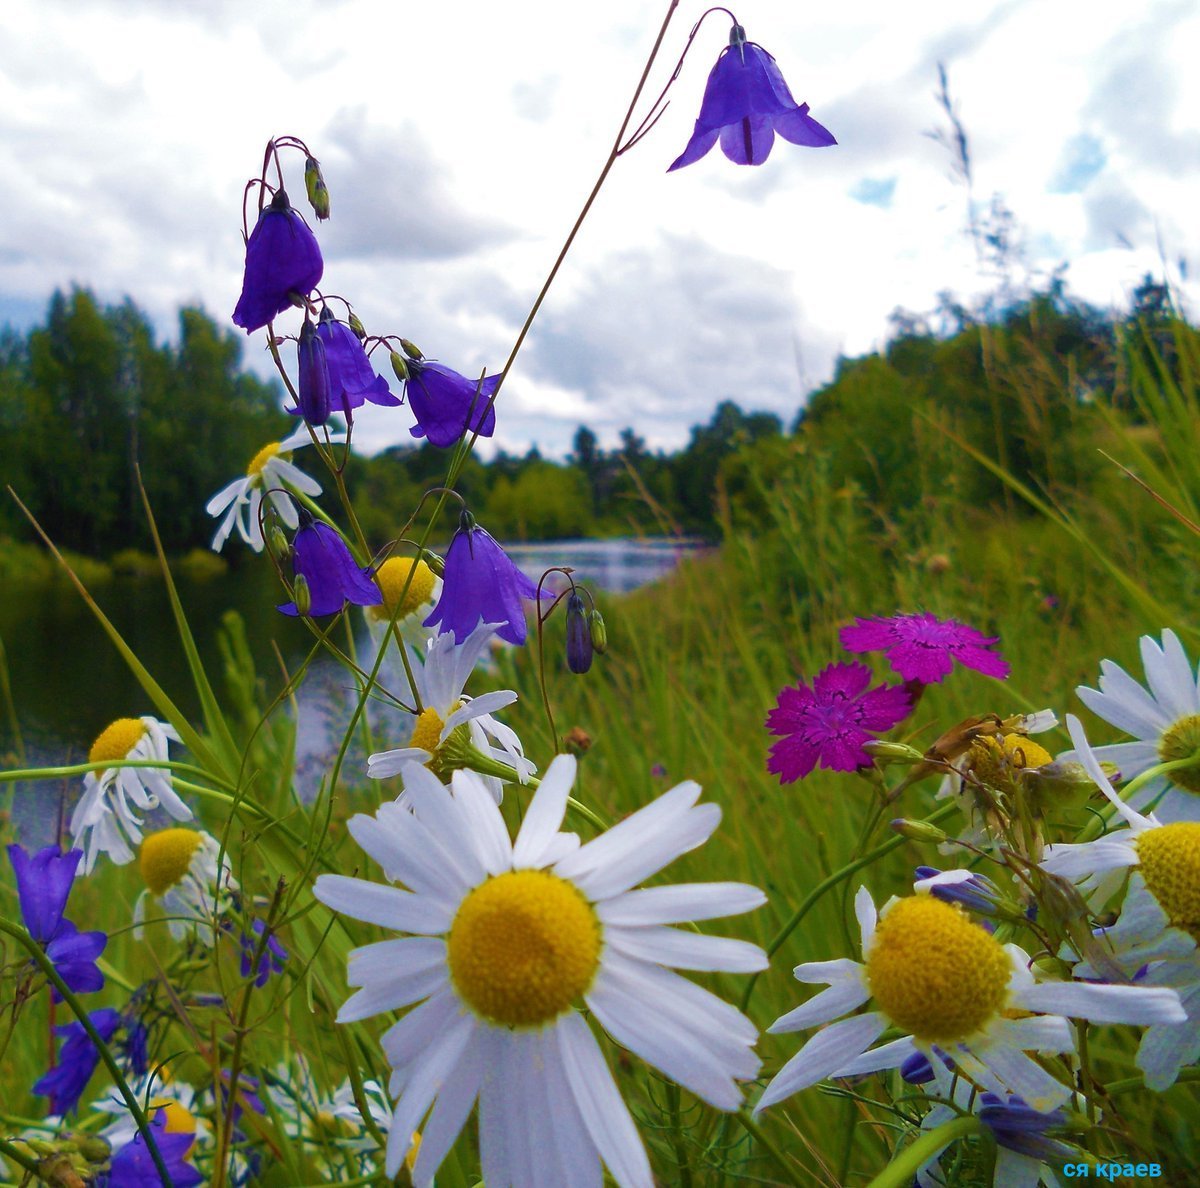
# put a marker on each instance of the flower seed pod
(917, 830)
(579, 636)
(314, 184)
(598, 631)
(399, 366)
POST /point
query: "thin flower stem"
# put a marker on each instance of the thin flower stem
(752, 1128)
(9, 1151)
(832, 881)
(901, 1171)
(77, 1009)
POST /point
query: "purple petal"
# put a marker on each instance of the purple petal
(480, 583)
(749, 141)
(702, 140)
(333, 576)
(282, 257)
(43, 885)
(446, 405)
(800, 128)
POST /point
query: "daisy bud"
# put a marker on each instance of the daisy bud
(579, 637)
(356, 327)
(411, 351)
(314, 184)
(399, 366)
(301, 595)
(314, 376)
(599, 632)
(918, 830)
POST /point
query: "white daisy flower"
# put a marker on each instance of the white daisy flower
(269, 470)
(947, 981)
(409, 607)
(1164, 719)
(454, 730)
(182, 876)
(103, 822)
(506, 939)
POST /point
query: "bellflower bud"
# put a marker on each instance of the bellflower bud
(579, 637)
(356, 327)
(301, 594)
(314, 184)
(599, 632)
(399, 366)
(411, 351)
(314, 376)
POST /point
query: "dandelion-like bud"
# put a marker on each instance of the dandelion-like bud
(579, 636)
(314, 184)
(599, 631)
(313, 388)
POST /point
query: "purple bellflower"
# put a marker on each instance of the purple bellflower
(65, 1082)
(272, 959)
(480, 584)
(43, 884)
(352, 379)
(321, 557)
(924, 648)
(745, 103)
(829, 722)
(579, 635)
(133, 1165)
(312, 387)
(282, 258)
(447, 404)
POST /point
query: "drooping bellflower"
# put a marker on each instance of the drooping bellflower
(312, 386)
(282, 258)
(447, 404)
(480, 584)
(65, 1082)
(745, 103)
(352, 379)
(332, 576)
(271, 960)
(579, 636)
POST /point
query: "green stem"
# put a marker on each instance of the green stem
(1094, 827)
(68, 996)
(757, 1133)
(10, 1152)
(900, 1172)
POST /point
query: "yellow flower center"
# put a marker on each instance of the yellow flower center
(261, 459)
(1182, 741)
(391, 577)
(427, 731)
(116, 740)
(410, 1160)
(1170, 862)
(934, 973)
(179, 1119)
(997, 761)
(523, 947)
(166, 856)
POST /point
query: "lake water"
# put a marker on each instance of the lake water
(69, 682)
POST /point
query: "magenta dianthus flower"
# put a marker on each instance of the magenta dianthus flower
(829, 722)
(924, 648)
(745, 103)
(282, 258)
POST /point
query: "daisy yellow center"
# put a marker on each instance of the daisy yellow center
(934, 973)
(116, 740)
(1170, 862)
(391, 578)
(261, 459)
(427, 731)
(523, 947)
(996, 760)
(179, 1120)
(1182, 741)
(166, 856)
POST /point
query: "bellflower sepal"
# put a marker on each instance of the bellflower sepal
(447, 404)
(746, 102)
(332, 576)
(313, 387)
(481, 584)
(282, 259)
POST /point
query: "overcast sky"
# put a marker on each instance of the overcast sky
(459, 140)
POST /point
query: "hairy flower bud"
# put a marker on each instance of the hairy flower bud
(314, 184)
(313, 388)
(579, 637)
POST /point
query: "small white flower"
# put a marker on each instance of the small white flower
(1164, 719)
(947, 981)
(103, 822)
(506, 938)
(182, 876)
(269, 470)
(440, 683)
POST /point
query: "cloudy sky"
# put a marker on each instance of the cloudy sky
(459, 141)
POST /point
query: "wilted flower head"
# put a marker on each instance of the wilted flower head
(352, 379)
(312, 387)
(924, 648)
(331, 575)
(282, 258)
(480, 583)
(745, 103)
(447, 404)
(829, 722)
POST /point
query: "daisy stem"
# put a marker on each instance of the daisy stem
(681, 1156)
(900, 1172)
(1093, 828)
(832, 881)
(756, 1132)
(70, 769)
(68, 996)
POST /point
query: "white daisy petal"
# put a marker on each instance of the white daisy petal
(680, 903)
(494, 1138)
(1045, 1033)
(847, 990)
(1086, 756)
(224, 497)
(449, 1114)
(1169, 675)
(867, 916)
(1071, 861)
(1023, 1076)
(476, 707)
(385, 764)
(389, 907)
(391, 993)
(1103, 1004)
(688, 950)
(580, 1161)
(486, 823)
(598, 1101)
(828, 1050)
(401, 958)
(544, 817)
(886, 1056)
(403, 1041)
